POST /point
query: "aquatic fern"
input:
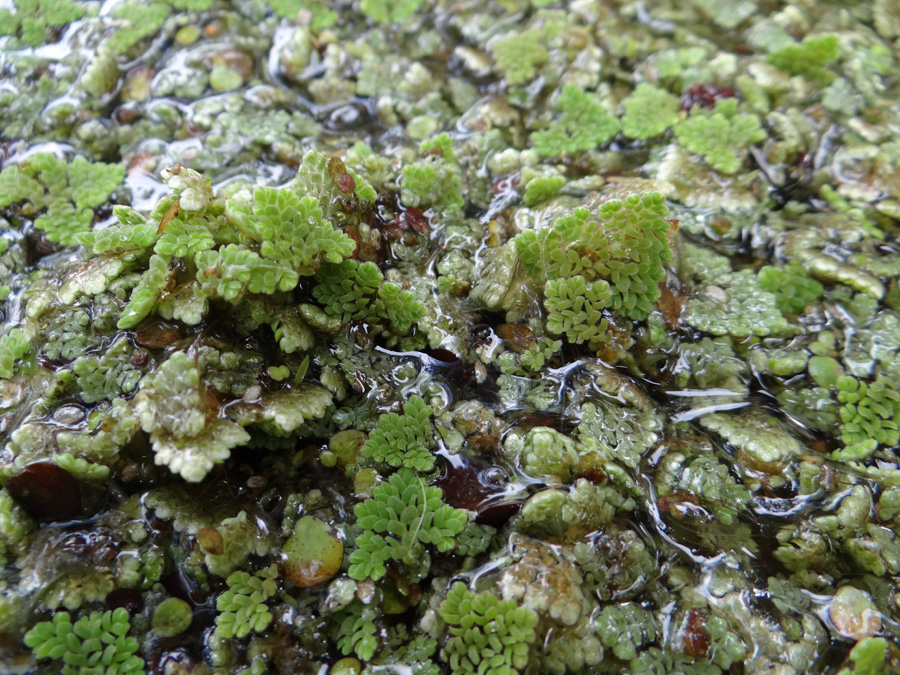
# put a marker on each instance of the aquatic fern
(234, 270)
(243, 606)
(721, 135)
(622, 433)
(132, 234)
(625, 243)
(808, 58)
(354, 630)
(184, 239)
(574, 308)
(107, 375)
(352, 291)
(792, 287)
(398, 306)
(145, 295)
(346, 290)
(435, 180)
(649, 111)
(62, 222)
(34, 19)
(322, 15)
(87, 184)
(761, 436)
(626, 628)
(870, 415)
(96, 643)
(583, 125)
(440, 145)
(140, 21)
(101, 74)
(403, 440)
(519, 55)
(173, 411)
(68, 333)
(291, 230)
(705, 478)
(488, 636)
(541, 188)
(389, 11)
(738, 306)
(868, 656)
(340, 191)
(531, 360)
(17, 187)
(13, 348)
(68, 191)
(403, 516)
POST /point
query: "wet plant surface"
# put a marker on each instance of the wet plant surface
(449, 337)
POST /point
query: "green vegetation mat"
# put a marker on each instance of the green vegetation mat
(431, 336)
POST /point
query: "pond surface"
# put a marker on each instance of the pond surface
(449, 337)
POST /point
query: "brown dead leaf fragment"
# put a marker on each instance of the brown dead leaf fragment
(518, 337)
(671, 304)
(170, 213)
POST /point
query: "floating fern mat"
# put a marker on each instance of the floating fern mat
(422, 337)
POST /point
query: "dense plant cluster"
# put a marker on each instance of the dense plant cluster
(470, 338)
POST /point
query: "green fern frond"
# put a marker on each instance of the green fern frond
(398, 306)
(649, 111)
(13, 347)
(146, 294)
(721, 136)
(488, 636)
(69, 192)
(626, 628)
(184, 239)
(354, 630)
(583, 125)
(809, 58)
(292, 230)
(403, 440)
(17, 187)
(627, 245)
(322, 15)
(342, 193)
(108, 375)
(243, 606)
(389, 11)
(574, 308)
(520, 55)
(131, 234)
(870, 416)
(234, 270)
(96, 643)
(346, 290)
(432, 182)
(792, 287)
(403, 516)
(140, 21)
